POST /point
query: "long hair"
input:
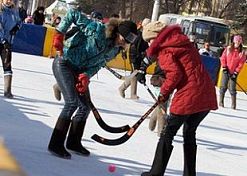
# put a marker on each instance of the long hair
(240, 48)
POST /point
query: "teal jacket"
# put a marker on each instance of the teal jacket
(88, 49)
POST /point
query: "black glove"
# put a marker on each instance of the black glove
(225, 70)
(140, 76)
(14, 29)
(5, 44)
(234, 75)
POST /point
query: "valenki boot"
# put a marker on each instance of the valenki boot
(133, 87)
(57, 92)
(56, 145)
(153, 119)
(233, 106)
(7, 86)
(124, 86)
(221, 101)
(74, 138)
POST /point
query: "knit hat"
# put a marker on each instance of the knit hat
(145, 21)
(128, 30)
(237, 38)
(152, 29)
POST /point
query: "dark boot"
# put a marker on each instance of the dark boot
(190, 160)
(56, 145)
(161, 158)
(7, 86)
(74, 138)
(233, 101)
(221, 101)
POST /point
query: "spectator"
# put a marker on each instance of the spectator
(9, 25)
(56, 21)
(22, 11)
(114, 15)
(29, 19)
(206, 50)
(232, 61)
(39, 16)
(96, 16)
(193, 40)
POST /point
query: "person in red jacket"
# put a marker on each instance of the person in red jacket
(194, 96)
(232, 61)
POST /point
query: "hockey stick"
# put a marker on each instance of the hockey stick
(153, 96)
(127, 135)
(239, 85)
(102, 124)
(116, 74)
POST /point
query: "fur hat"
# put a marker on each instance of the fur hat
(237, 38)
(112, 28)
(152, 29)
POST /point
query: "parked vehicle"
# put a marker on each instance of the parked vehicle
(213, 30)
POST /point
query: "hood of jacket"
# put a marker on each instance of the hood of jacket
(169, 38)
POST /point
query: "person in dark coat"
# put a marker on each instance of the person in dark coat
(22, 11)
(136, 55)
(39, 16)
(9, 25)
(195, 92)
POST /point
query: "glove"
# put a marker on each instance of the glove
(234, 75)
(82, 83)
(14, 30)
(58, 42)
(225, 70)
(140, 76)
(5, 44)
(162, 99)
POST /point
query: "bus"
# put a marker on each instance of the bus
(204, 28)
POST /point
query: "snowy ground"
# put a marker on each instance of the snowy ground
(27, 121)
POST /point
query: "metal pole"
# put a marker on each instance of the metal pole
(155, 10)
(34, 5)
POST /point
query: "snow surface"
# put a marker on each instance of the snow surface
(27, 121)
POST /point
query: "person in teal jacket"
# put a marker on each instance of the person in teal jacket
(78, 59)
(9, 25)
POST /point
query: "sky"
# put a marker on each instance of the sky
(27, 121)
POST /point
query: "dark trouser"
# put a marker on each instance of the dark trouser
(65, 78)
(164, 147)
(6, 56)
(227, 82)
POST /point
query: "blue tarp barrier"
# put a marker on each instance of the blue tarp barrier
(212, 65)
(30, 39)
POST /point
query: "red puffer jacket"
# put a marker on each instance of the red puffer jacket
(233, 60)
(185, 73)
